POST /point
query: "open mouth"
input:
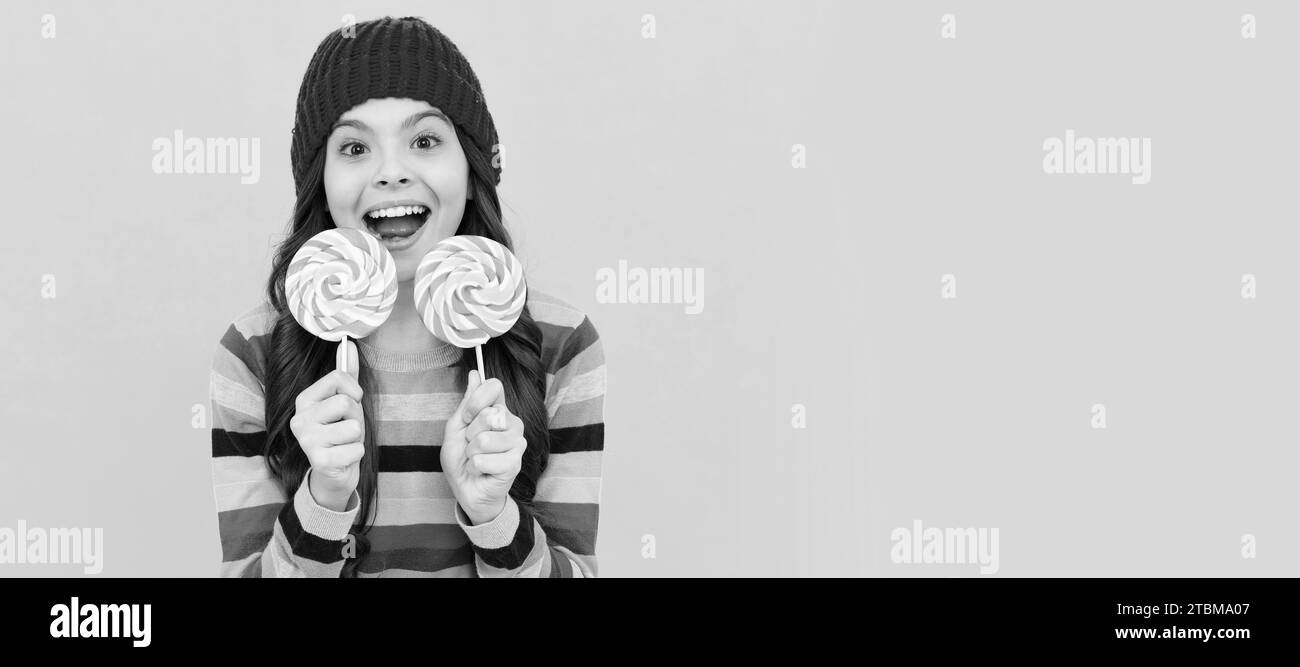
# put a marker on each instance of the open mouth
(396, 222)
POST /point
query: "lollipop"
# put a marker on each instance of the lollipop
(469, 289)
(341, 283)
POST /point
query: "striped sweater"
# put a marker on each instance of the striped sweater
(419, 529)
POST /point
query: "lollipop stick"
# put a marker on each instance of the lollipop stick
(482, 372)
(341, 358)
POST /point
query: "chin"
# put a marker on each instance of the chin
(406, 266)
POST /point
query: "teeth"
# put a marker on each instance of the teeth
(395, 211)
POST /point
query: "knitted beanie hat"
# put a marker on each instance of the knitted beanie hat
(387, 57)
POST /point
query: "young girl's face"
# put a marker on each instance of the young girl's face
(395, 170)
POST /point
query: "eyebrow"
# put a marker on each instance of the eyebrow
(409, 122)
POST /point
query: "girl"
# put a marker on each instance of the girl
(405, 463)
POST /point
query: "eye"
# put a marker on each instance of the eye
(432, 139)
(346, 148)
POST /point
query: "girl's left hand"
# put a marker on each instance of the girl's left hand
(482, 449)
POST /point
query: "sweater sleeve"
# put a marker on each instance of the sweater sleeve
(263, 533)
(556, 537)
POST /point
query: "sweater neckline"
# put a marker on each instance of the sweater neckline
(442, 356)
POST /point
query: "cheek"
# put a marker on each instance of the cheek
(342, 189)
(333, 188)
(445, 177)
(450, 189)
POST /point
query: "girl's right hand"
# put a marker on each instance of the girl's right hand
(330, 427)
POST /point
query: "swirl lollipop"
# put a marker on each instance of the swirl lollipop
(469, 289)
(341, 283)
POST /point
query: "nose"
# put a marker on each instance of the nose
(391, 172)
(384, 179)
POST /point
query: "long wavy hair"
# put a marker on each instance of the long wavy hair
(296, 358)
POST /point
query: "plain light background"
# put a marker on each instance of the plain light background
(821, 284)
